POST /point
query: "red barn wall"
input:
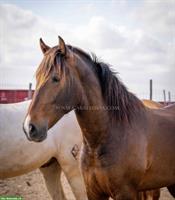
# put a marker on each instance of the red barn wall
(13, 96)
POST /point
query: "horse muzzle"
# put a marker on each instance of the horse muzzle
(34, 132)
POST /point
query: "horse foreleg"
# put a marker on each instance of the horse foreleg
(126, 194)
(125, 197)
(51, 173)
(171, 190)
(74, 177)
(97, 196)
(149, 195)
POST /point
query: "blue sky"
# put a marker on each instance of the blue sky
(135, 37)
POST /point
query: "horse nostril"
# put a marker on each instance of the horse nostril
(32, 130)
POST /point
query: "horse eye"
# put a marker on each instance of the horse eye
(55, 79)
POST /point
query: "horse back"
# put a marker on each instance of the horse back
(170, 108)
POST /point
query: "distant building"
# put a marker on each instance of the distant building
(14, 96)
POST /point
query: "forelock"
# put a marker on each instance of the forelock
(50, 62)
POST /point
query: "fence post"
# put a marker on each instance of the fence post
(164, 97)
(169, 97)
(151, 89)
(30, 91)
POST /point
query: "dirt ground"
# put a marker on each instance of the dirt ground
(31, 186)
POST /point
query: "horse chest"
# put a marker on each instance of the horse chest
(105, 170)
(96, 180)
(106, 181)
(98, 172)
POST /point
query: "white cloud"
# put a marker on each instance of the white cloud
(157, 17)
(19, 50)
(143, 51)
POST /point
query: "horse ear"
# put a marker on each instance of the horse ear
(43, 46)
(62, 46)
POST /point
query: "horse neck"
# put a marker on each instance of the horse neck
(92, 118)
(96, 121)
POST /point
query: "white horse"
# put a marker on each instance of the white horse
(19, 156)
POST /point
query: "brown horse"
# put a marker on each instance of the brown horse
(126, 147)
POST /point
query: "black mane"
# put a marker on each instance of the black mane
(114, 92)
